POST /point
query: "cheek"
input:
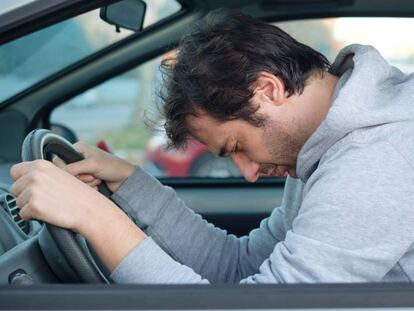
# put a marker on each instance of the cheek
(278, 143)
(257, 149)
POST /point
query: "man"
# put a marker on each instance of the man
(249, 91)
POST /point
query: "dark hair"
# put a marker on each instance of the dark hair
(218, 61)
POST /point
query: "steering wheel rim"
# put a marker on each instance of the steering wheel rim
(38, 144)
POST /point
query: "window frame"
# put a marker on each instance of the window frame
(208, 297)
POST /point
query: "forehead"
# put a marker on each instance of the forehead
(201, 121)
(202, 124)
(210, 131)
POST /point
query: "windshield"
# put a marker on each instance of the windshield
(27, 60)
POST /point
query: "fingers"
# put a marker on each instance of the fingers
(45, 192)
(87, 166)
(26, 213)
(18, 170)
(77, 167)
(36, 171)
(59, 162)
(23, 198)
(19, 185)
(84, 170)
(95, 184)
(26, 203)
(90, 180)
(83, 148)
(86, 178)
(80, 147)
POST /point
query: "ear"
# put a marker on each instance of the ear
(269, 88)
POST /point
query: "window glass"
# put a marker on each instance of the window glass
(27, 60)
(328, 36)
(113, 112)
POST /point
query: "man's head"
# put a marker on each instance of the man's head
(246, 89)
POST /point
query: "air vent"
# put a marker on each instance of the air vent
(8, 202)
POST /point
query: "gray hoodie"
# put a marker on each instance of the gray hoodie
(348, 218)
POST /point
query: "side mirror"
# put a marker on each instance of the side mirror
(128, 14)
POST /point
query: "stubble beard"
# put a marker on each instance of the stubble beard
(283, 146)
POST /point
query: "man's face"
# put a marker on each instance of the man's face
(270, 150)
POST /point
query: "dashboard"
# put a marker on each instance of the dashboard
(10, 232)
(13, 229)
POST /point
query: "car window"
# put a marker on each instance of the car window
(28, 60)
(111, 115)
(328, 36)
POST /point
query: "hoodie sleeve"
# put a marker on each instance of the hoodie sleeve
(350, 227)
(186, 240)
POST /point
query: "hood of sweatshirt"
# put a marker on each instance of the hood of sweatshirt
(369, 92)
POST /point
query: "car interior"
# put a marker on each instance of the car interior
(73, 70)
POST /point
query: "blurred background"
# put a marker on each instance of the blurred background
(112, 114)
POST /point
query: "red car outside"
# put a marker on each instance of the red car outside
(195, 160)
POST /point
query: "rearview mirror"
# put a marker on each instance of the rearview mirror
(128, 14)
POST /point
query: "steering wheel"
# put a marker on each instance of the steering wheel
(66, 252)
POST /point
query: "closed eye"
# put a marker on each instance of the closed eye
(236, 148)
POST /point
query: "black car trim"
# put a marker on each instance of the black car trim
(230, 182)
(202, 297)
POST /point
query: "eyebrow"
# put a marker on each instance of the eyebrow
(223, 151)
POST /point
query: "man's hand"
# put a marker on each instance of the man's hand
(48, 193)
(98, 165)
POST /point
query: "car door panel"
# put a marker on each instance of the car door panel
(236, 209)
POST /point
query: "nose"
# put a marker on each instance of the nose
(249, 168)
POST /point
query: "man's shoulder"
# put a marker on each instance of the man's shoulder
(398, 134)
(367, 156)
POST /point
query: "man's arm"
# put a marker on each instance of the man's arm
(190, 240)
(354, 225)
